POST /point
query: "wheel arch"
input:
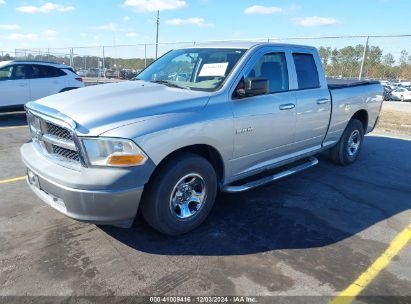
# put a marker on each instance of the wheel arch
(206, 151)
(362, 116)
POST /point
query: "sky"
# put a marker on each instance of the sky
(71, 23)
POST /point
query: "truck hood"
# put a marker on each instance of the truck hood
(101, 108)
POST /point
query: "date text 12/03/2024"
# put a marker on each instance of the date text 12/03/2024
(203, 299)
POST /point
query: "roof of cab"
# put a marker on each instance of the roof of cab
(55, 64)
(243, 45)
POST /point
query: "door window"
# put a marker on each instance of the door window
(6, 73)
(307, 73)
(273, 67)
(14, 72)
(20, 72)
(43, 71)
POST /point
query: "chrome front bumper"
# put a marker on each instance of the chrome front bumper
(106, 204)
(116, 208)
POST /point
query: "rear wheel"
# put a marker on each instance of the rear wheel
(180, 195)
(350, 144)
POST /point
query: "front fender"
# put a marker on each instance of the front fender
(162, 135)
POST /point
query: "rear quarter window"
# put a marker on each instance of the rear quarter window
(307, 72)
(44, 71)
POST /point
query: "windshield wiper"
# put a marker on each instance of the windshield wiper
(170, 84)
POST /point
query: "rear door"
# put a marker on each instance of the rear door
(313, 101)
(14, 85)
(45, 80)
(264, 125)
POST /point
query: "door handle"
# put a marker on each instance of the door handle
(323, 101)
(22, 84)
(287, 106)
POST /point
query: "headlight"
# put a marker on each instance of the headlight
(113, 152)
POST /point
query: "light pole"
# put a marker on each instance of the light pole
(158, 25)
(364, 57)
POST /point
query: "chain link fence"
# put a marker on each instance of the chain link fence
(6, 55)
(369, 57)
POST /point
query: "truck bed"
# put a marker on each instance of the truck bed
(334, 84)
(349, 97)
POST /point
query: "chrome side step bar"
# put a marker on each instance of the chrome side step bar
(311, 162)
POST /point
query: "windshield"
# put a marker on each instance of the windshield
(193, 69)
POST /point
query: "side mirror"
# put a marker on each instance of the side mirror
(252, 87)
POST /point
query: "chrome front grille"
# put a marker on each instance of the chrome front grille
(53, 140)
(58, 131)
(66, 153)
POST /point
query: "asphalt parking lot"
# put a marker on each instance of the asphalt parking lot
(312, 234)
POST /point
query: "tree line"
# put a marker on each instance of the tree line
(346, 62)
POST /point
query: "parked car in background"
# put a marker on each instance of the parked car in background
(93, 73)
(22, 81)
(111, 74)
(127, 74)
(387, 93)
(392, 85)
(401, 94)
(82, 72)
(405, 83)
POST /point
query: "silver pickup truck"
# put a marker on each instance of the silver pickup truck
(217, 117)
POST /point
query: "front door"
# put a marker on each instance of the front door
(14, 86)
(264, 125)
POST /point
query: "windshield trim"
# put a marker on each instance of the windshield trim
(170, 83)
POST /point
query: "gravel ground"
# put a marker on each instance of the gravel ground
(395, 118)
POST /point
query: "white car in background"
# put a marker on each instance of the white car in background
(24, 81)
(402, 94)
(405, 83)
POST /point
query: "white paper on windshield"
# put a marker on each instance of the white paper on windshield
(214, 69)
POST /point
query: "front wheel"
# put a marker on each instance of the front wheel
(350, 144)
(180, 195)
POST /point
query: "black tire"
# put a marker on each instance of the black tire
(157, 207)
(341, 154)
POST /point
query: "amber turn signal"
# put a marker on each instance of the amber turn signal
(126, 160)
